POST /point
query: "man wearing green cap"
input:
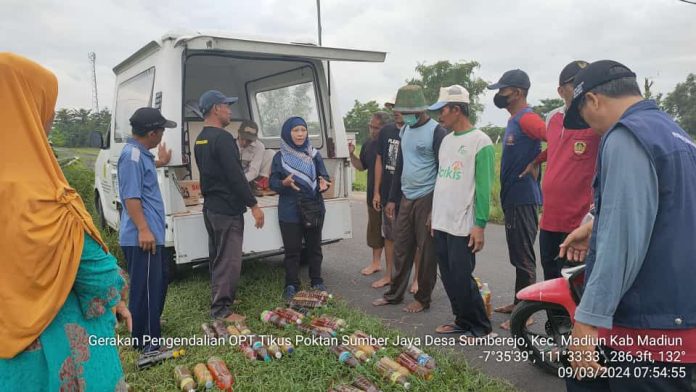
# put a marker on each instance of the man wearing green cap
(412, 187)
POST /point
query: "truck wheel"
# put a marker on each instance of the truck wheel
(170, 261)
(100, 212)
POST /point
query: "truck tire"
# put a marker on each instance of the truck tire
(101, 219)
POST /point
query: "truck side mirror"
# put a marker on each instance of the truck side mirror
(96, 139)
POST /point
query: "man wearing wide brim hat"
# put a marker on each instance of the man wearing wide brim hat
(412, 188)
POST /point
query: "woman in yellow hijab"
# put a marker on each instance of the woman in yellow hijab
(58, 284)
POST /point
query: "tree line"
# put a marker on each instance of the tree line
(680, 103)
(71, 127)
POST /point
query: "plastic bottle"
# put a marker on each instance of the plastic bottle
(246, 349)
(260, 350)
(329, 331)
(184, 379)
(422, 358)
(243, 329)
(314, 331)
(232, 330)
(391, 375)
(221, 374)
(368, 338)
(325, 323)
(220, 329)
(358, 353)
(486, 294)
(289, 315)
(361, 343)
(274, 350)
(203, 376)
(287, 349)
(293, 312)
(413, 366)
(344, 356)
(300, 309)
(208, 331)
(270, 317)
(306, 303)
(345, 388)
(365, 385)
(339, 322)
(146, 361)
(395, 366)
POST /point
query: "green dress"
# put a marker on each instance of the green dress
(66, 357)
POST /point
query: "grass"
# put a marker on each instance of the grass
(496, 215)
(312, 368)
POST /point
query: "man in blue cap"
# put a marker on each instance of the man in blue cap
(227, 195)
(637, 312)
(520, 196)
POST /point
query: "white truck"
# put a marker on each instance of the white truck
(273, 82)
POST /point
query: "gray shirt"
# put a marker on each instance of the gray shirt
(629, 206)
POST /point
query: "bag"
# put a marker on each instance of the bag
(311, 211)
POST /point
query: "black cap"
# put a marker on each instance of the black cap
(149, 119)
(512, 78)
(595, 74)
(570, 70)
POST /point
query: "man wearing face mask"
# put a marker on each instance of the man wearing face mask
(414, 179)
(520, 196)
(567, 185)
(639, 292)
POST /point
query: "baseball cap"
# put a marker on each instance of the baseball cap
(451, 94)
(513, 78)
(248, 130)
(148, 119)
(213, 97)
(569, 71)
(595, 74)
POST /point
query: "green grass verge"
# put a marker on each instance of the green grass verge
(312, 368)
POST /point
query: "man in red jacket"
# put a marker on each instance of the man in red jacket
(570, 158)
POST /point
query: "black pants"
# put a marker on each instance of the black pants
(521, 224)
(679, 377)
(225, 236)
(149, 277)
(293, 233)
(457, 265)
(549, 242)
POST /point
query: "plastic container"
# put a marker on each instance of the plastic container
(422, 358)
(221, 374)
(203, 376)
(184, 379)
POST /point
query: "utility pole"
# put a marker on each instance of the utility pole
(95, 99)
(319, 20)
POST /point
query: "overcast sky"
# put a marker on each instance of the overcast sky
(655, 38)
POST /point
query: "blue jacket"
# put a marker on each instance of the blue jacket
(662, 295)
(288, 211)
(518, 151)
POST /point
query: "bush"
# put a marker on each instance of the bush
(82, 179)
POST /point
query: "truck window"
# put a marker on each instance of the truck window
(277, 105)
(132, 94)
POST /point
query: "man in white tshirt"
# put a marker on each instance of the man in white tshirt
(461, 206)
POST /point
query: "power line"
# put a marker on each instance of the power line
(688, 2)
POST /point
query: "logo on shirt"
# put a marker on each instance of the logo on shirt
(461, 150)
(579, 148)
(453, 172)
(510, 140)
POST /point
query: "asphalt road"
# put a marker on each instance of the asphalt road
(341, 271)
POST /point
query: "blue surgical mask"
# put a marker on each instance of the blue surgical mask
(410, 119)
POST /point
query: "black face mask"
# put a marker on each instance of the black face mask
(501, 101)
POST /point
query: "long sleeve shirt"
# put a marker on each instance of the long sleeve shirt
(288, 210)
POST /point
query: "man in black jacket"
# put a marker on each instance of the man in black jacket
(227, 195)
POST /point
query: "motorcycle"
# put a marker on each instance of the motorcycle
(554, 302)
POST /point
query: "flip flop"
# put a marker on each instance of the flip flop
(451, 329)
